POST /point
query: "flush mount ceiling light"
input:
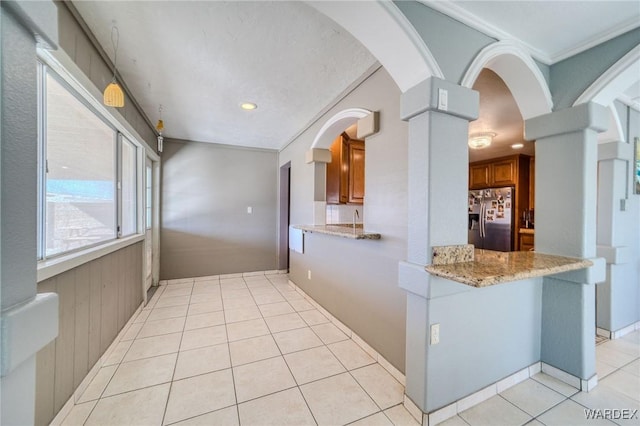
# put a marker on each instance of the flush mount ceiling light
(248, 106)
(481, 140)
(517, 146)
(113, 95)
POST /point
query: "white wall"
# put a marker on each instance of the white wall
(205, 227)
(356, 280)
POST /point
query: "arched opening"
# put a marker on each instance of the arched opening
(336, 125)
(502, 174)
(519, 72)
(398, 48)
(337, 153)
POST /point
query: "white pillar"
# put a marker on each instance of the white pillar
(438, 185)
(566, 189)
(616, 301)
(28, 321)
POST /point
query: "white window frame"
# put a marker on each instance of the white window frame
(42, 166)
(67, 71)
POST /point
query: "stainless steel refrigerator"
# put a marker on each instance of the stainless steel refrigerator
(491, 218)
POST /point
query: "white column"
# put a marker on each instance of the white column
(28, 321)
(616, 304)
(566, 191)
(438, 185)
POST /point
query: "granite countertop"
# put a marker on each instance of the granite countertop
(341, 230)
(527, 231)
(493, 267)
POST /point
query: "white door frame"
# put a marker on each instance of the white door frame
(150, 273)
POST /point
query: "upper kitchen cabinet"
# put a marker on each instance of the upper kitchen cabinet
(337, 174)
(506, 171)
(479, 176)
(345, 173)
(356, 172)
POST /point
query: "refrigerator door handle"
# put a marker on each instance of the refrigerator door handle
(481, 219)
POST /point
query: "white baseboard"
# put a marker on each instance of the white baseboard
(444, 413)
(618, 333)
(570, 379)
(357, 339)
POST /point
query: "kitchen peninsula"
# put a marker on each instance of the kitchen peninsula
(341, 230)
(487, 267)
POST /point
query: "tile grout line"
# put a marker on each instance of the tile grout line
(233, 377)
(97, 400)
(175, 365)
(531, 417)
(281, 355)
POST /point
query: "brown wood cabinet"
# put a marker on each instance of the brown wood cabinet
(479, 176)
(337, 174)
(505, 172)
(356, 172)
(493, 173)
(526, 241)
(532, 183)
(345, 173)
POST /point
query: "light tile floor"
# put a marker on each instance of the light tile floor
(252, 351)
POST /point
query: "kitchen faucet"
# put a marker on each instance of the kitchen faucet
(355, 214)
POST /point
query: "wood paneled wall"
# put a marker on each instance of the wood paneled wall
(96, 301)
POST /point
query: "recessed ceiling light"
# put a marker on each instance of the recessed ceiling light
(517, 146)
(248, 106)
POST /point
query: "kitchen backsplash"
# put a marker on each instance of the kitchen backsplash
(343, 213)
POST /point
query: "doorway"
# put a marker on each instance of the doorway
(285, 216)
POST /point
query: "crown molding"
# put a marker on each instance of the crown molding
(469, 19)
(604, 36)
(460, 14)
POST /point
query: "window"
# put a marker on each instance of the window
(88, 174)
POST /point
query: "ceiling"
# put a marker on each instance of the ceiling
(201, 60)
(498, 113)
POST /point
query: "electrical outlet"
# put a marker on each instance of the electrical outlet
(435, 334)
(249, 210)
(309, 274)
(443, 100)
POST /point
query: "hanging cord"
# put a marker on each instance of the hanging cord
(115, 41)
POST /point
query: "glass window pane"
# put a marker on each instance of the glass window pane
(149, 197)
(81, 174)
(129, 183)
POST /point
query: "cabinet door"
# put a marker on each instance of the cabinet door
(532, 182)
(504, 172)
(344, 170)
(356, 172)
(526, 242)
(333, 172)
(479, 176)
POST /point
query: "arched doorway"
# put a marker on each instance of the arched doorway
(512, 89)
(320, 155)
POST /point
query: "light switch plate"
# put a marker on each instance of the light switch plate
(443, 99)
(435, 334)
